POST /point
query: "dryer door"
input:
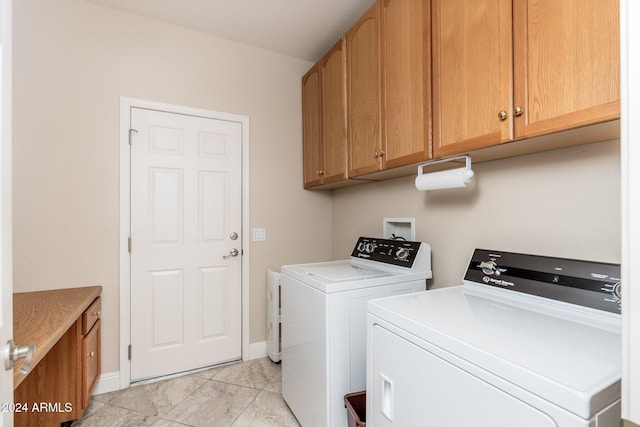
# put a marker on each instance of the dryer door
(409, 386)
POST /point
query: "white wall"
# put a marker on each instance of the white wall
(563, 203)
(72, 62)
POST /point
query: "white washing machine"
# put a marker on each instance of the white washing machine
(526, 341)
(324, 322)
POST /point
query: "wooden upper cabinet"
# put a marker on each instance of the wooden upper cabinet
(405, 45)
(562, 73)
(363, 95)
(472, 74)
(420, 79)
(311, 130)
(334, 114)
(567, 62)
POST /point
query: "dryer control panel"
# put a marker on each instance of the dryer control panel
(396, 252)
(586, 283)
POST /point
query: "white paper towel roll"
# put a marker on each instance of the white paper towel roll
(452, 178)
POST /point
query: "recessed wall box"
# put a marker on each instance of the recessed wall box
(399, 227)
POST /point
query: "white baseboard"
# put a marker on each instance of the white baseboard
(257, 350)
(108, 382)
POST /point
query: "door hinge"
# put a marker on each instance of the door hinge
(130, 133)
(129, 244)
(129, 350)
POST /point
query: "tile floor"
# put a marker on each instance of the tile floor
(237, 395)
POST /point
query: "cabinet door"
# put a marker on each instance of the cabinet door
(363, 94)
(91, 368)
(53, 380)
(472, 74)
(334, 114)
(311, 130)
(405, 45)
(567, 61)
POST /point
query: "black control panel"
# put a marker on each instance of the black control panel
(586, 283)
(396, 252)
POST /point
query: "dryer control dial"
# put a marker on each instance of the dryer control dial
(617, 291)
(489, 267)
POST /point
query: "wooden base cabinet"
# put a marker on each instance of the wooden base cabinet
(59, 387)
(505, 70)
(90, 350)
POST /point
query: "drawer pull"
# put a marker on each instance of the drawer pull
(97, 313)
(91, 354)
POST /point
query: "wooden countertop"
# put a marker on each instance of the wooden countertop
(43, 317)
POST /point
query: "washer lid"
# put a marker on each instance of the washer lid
(338, 276)
(571, 359)
(340, 272)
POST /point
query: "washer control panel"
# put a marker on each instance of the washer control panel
(397, 252)
(586, 283)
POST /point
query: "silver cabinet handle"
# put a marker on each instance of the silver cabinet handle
(12, 353)
(233, 252)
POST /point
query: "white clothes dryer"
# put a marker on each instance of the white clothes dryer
(526, 341)
(324, 322)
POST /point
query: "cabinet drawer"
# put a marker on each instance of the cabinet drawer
(91, 366)
(91, 315)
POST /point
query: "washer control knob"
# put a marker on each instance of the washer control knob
(370, 247)
(402, 253)
(489, 267)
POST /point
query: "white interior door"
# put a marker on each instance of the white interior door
(186, 216)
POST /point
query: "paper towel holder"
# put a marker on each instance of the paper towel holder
(468, 172)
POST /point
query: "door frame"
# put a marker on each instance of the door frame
(126, 104)
(6, 231)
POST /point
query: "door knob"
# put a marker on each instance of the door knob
(12, 353)
(232, 253)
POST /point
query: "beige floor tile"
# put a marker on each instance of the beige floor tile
(222, 396)
(254, 373)
(157, 398)
(268, 410)
(205, 374)
(93, 406)
(275, 384)
(214, 404)
(113, 416)
(168, 423)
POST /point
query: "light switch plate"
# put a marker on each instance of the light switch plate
(259, 234)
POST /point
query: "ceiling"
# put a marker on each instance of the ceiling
(303, 29)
